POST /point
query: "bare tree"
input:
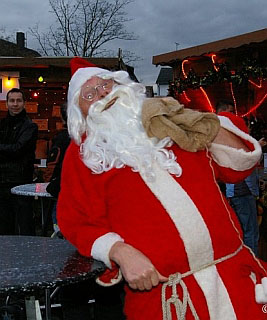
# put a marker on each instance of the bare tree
(83, 27)
(5, 36)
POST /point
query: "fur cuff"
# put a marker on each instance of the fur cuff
(236, 159)
(110, 278)
(101, 247)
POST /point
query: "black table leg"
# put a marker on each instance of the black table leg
(47, 305)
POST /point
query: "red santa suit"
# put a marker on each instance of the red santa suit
(182, 224)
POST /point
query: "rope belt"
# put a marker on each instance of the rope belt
(176, 280)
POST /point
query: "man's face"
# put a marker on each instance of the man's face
(15, 103)
(93, 90)
(230, 108)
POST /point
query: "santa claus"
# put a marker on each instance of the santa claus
(139, 193)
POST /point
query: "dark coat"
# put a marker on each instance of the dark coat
(18, 136)
(59, 146)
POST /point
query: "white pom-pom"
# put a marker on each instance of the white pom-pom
(264, 284)
(260, 296)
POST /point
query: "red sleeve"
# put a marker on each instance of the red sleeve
(232, 165)
(237, 121)
(228, 175)
(81, 210)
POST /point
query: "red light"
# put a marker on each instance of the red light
(186, 97)
(35, 95)
(233, 96)
(214, 62)
(206, 96)
(184, 61)
(255, 84)
(255, 107)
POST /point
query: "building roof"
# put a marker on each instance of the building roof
(10, 49)
(14, 56)
(26, 63)
(45, 62)
(165, 76)
(216, 46)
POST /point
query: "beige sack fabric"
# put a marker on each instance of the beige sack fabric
(191, 130)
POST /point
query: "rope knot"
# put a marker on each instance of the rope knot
(174, 281)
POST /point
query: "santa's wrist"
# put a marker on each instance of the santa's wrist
(116, 251)
(102, 246)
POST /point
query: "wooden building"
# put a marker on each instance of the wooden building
(44, 81)
(230, 69)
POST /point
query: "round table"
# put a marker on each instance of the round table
(29, 264)
(32, 190)
(37, 190)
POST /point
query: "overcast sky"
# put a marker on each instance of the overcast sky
(159, 24)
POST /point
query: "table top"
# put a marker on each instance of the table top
(32, 263)
(32, 190)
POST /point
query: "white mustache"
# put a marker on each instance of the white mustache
(106, 102)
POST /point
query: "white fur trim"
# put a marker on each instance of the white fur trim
(218, 301)
(264, 284)
(102, 245)
(112, 281)
(236, 159)
(260, 296)
(253, 277)
(81, 76)
(261, 291)
(186, 217)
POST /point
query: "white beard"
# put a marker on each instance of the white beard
(116, 137)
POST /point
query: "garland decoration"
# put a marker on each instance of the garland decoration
(223, 73)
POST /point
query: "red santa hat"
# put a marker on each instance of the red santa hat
(77, 63)
(81, 71)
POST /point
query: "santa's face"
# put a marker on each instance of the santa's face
(116, 136)
(93, 90)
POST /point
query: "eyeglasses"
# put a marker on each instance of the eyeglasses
(90, 93)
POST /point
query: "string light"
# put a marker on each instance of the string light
(214, 62)
(183, 71)
(40, 79)
(255, 107)
(186, 97)
(222, 73)
(233, 96)
(206, 96)
(255, 84)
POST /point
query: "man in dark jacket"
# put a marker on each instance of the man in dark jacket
(18, 136)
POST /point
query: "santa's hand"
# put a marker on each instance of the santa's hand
(136, 268)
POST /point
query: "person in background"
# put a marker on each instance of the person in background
(132, 197)
(18, 136)
(243, 195)
(57, 151)
(243, 199)
(224, 105)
